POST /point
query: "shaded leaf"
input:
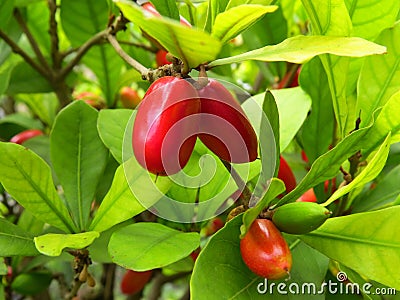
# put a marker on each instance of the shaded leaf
(25, 79)
(300, 49)
(15, 241)
(6, 8)
(53, 244)
(35, 190)
(43, 105)
(79, 157)
(146, 246)
(167, 8)
(369, 237)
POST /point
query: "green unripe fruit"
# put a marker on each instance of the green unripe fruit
(300, 217)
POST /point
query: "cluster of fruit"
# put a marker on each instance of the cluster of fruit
(173, 113)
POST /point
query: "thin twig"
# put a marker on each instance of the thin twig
(139, 45)
(134, 63)
(246, 193)
(53, 32)
(31, 39)
(82, 51)
(17, 50)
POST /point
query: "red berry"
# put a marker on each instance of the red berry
(91, 99)
(25, 135)
(213, 226)
(161, 58)
(133, 282)
(265, 251)
(166, 126)
(286, 175)
(129, 97)
(224, 128)
(308, 196)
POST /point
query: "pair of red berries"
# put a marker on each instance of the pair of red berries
(173, 114)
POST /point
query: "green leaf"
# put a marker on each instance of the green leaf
(232, 22)
(386, 192)
(120, 203)
(368, 25)
(365, 242)
(327, 165)
(30, 223)
(167, 8)
(387, 121)
(53, 244)
(31, 283)
(79, 157)
(374, 167)
(270, 109)
(102, 59)
(276, 188)
(373, 90)
(6, 9)
(191, 45)
(38, 23)
(317, 132)
(233, 3)
(214, 8)
(15, 241)
(220, 265)
(146, 246)
(293, 106)
(21, 120)
(25, 79)
(111, 125)
(300, 49)
(42, 105)
(14, 31)
(35, 189)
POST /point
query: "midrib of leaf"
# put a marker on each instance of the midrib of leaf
(239, 292)
(353, 239)
(386, 84)
(352, 8)
(318, 26)
(102, 51)
(16, 236)
(44, 197)
(78, 179)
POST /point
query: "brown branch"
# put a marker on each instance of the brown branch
(53, 32)
(82, 50)
(18, 50)
(31, 39)
(134, 63)
(159, 280)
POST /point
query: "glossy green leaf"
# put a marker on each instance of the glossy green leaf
(369, 237)
(52, 244)
(22, 120)
(370, 17)
(6, 8)
(43, 105)
(276, 188)
(102, 59)
(41, 146)
(213, 9)
(5, 73)
(317, 132)
(327, 165)
(31, 283)
(380, 76)
(25, 79)
(30, 223)
(111, 125)
(167, 8)
(146, 246)
(38, 23)
(387, 121)
(79, 157)
(191, 45)
(374, 167)
(221, 259)
(300, 49)
(120, 203)
(386, 192)
(35, 189)
(15, 240)
(233, 3)
(293, 106)
(232, 22)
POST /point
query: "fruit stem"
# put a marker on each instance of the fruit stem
(202, 81)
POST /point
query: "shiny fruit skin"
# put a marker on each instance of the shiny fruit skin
(161, 58)
(224, 128)
(129, 97)
(286, 175)
(169, 100)
(265, 251)
(308, 196)
(300, 217)
(25, 135)
(91, 99)
(133, 282)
